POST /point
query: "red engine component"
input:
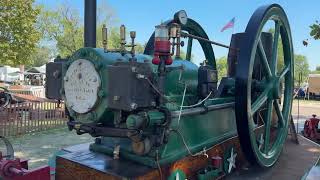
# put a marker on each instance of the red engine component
(311, 130)
(17, 169)
(162, 46)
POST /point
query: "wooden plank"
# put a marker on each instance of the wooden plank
(190, 165)
(28, 123)
(38, 123)
(10, 133)
(5, 121)
(39, 106)
(9, 127)
(56, 114)
(49, 115)
(33, 121)
(18, 126)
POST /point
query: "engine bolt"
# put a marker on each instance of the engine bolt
(66, 78)
(95, 79)
(101, 93)
(153, 103)
(133, 106)
(134, 69)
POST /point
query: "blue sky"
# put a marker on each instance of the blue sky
(143, 15)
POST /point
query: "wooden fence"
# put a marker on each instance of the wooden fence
(28, 117)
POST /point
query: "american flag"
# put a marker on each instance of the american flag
(230, 24)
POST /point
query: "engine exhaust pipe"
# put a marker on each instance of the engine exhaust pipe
(90, 23)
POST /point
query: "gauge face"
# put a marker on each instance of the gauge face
(182, 17)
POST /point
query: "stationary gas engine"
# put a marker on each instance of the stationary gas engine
(311, 128)
(158, 107)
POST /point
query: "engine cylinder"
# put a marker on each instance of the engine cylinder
(85, 83)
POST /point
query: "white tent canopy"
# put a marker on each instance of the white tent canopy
(41, 69)
(10, 74)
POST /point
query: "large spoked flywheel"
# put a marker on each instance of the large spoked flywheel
(264, 85)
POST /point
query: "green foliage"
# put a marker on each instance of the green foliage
(315, 30)
(222, 67)
(280, 62)
(301, 65)
(113, 37)
(317, 71)
(62, 26)
(139, 48)
(18, 35)
(41, 56)
(300, 62)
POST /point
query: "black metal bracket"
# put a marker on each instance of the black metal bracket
(97, 131)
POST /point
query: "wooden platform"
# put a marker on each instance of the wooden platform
(294, 162)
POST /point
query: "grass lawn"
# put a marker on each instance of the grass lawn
(39, 147)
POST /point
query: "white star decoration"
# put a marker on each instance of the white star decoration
(232, 160)
(177, 176)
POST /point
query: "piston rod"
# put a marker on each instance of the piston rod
(183, 34)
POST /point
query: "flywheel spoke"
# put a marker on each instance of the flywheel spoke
(259, 102)
(275, 47)
(279, 113)
(267, 127)
(264, 59)
(284, 72)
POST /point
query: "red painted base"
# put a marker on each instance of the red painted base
(40, 173)
(17, 169)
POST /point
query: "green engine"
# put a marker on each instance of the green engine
(157, 107)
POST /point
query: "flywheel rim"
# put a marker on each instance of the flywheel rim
(250, 46)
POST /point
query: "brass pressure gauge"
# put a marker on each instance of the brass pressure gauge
(174, 30)
(132, 34)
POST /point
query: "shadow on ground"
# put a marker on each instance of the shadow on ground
(39, 147)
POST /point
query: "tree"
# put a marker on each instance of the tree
(139, 48)
(64, 27)
(18, 34)
(315, 30)
(41, 56)
(301, 65)
(280, 57)
(317, 71)
(222, 67)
